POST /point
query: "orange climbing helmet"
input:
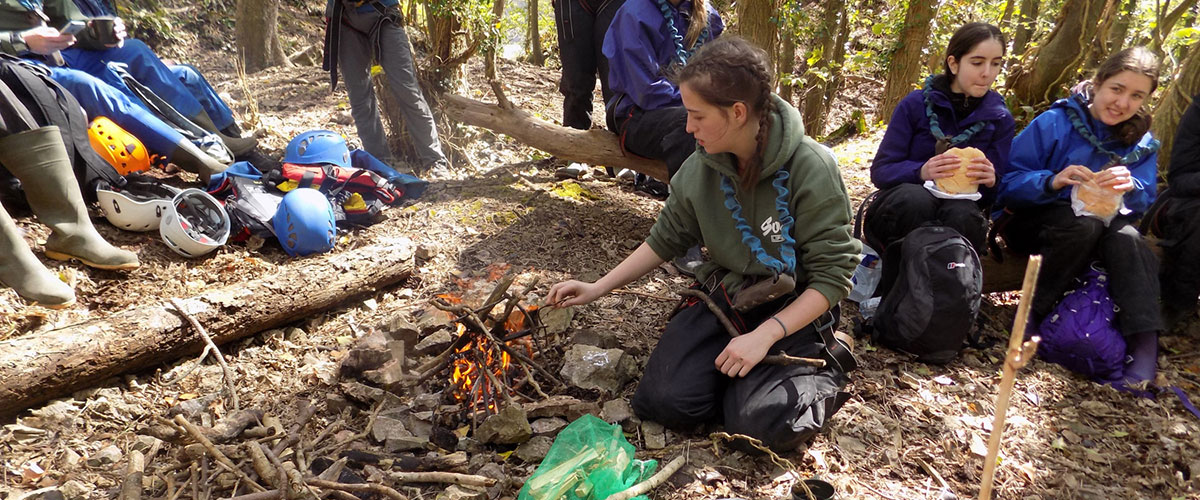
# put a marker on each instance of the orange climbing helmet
(119, 148)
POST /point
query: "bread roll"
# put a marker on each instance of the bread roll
(1098, 200)
(960, 183)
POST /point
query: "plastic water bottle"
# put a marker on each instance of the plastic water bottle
(866, 275)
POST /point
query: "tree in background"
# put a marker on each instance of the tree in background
(536, 55)
(1046, 71)
(904, 69)
(257, 38)
(757, 22)
(1173, 102)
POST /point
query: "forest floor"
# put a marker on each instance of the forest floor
(910, 431)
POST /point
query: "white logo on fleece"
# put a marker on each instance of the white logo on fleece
(773, 229)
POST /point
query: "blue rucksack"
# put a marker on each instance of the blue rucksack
(1079, 333)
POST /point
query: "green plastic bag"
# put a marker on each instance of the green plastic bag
(590, 460)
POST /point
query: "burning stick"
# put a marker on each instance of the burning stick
(1018, 355)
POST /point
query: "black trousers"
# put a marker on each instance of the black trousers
(1069, 243)
(1180, 275)
(784, 406)
(900, 209)
(658, 134)
(581, 27)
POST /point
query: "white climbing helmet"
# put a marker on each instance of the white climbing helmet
(194, 224)
(137, 206)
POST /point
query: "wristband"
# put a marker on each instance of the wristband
(781, 325)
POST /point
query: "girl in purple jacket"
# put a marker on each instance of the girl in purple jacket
(954, 109)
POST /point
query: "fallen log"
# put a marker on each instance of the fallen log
(595, 147)
(41, 366)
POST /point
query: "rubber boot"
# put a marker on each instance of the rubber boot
(237, 145)
(39, 159)
(191, 158)
(22, 271)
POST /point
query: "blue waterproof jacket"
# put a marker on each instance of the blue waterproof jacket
(908, 143)
(1050, 143)
(639, 48)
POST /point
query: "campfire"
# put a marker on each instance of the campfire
(480, 370)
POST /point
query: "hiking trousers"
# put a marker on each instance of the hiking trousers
(658, 134)
(368, 37)
(582, 25)
(190, 96)
(1180, 275)
(1069, 244)
(784, 406)
(898, 210)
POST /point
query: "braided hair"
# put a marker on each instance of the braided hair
(730, 70)
(1139, 60)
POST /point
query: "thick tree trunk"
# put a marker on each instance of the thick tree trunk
(787, 67)
(1120, 27)
(820, 71)
(1099, 49)
(1026, 28)
(536, 56)
(257, 40)
(904, 69)
(1174, 101)
(756, 25)
(1046, 71)
(595, 147)
(41, 366)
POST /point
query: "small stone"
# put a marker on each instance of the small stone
(456, 492)
(534, 450)
(399, 328)
(433, 343)
(616, 411)
(73, 490)
(599, 338)
(371, 304)
(406, 443)
(335, 403)
(105, 457)
(497, 472)
(426, 251)
(144, 443)
(510, 426)
(561, 406)
(469, 445)
(343, 117)
(478, 460)
(366, 394)
(556, 320)
(654, 435)
(427, 401)
(547, 426)
(589, 367)
(386, 428)
(70, 459)
(294, 334)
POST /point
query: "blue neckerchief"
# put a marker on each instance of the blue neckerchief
(787, 250)
(34, 5)
(944, 143)
(1113, 158)
(680, 53)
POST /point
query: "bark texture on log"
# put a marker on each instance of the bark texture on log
(594, 147)
(41, 366)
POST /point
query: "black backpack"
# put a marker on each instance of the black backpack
(930, 308)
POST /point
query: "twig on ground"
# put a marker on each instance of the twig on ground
(365, 432)
(131, 488)
(649, 484)
(440, 477)
(357, 488)
(221, 459)
(306, 413)
(209, 347)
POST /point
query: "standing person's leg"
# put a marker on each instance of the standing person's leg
(397, 61)
(143, 64)
(354, 63)
(1180, 275)
(604, 16)
(1066, 242)
(660, 134)
(967, 218)
(577, 51)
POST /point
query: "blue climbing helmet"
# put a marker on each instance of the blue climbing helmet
(316, 147)
(304, 223)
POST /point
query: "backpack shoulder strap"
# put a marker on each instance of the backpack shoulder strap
(862, 208)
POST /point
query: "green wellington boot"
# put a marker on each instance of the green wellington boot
(237, 145)
(38, 159)
(22, 271)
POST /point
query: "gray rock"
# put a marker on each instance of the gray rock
(363, 393)
(534, 450)
(603, 339)
(478, 460)
(51, 493)
(430, 320)
(368, 353)
(616, 411)
(76, 490)
(497, 472)
(589, 367)
(105, 457)
(510, 426)
(144, 443)
(556, 320)
(335, 403)
(387, 428)
(426, 251)
(456, 492)
(427, 401)
(294, 334)
(561, 406)
(547, 426)
(469, 445)
(434, 343)
(399, 328)
(654, 435)
(406, 443)
(192, 408)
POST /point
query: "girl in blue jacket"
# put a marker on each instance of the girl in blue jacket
(954, 109)
(1100, 135)
(646, 42)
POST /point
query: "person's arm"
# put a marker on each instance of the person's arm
(746, 351)
(634, 70)
(892, 165)
(1028, 180)
(42, 40)
(1144, 190)
(1183, 175)
(575, 293)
